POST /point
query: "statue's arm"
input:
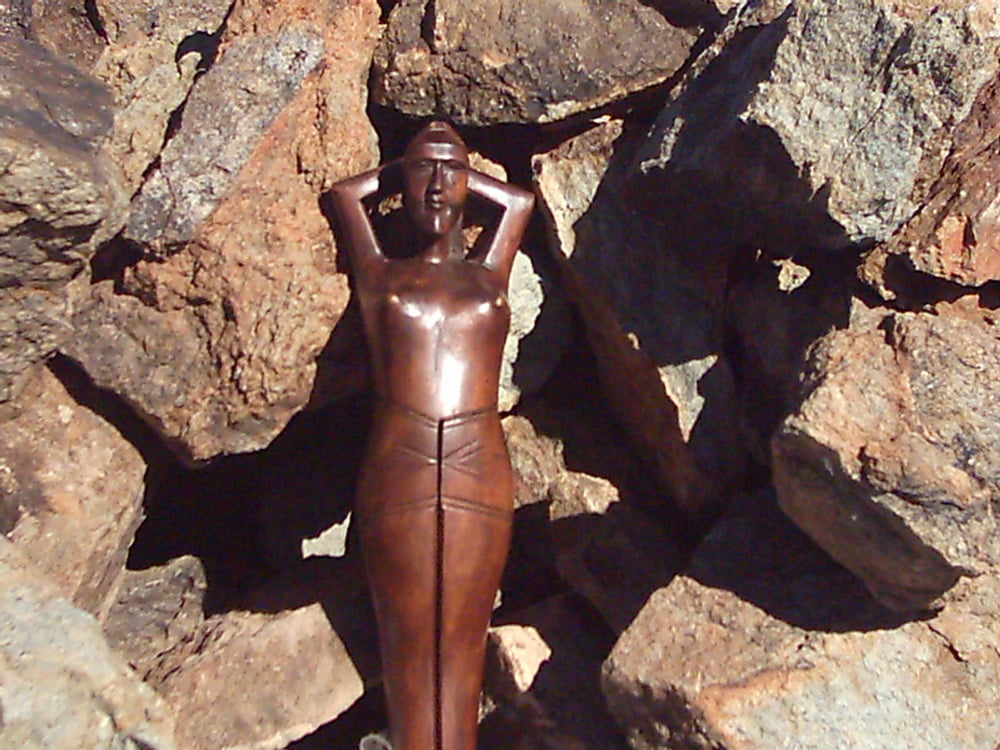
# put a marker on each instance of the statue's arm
(517, 205)
(355, 225)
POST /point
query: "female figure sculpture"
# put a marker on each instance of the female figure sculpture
(435, 497)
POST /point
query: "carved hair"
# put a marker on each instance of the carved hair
(438, 131)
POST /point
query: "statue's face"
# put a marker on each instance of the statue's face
(435, 184)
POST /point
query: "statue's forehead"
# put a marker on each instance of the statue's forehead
(438, 151)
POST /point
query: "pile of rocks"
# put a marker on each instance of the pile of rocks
(751, 390)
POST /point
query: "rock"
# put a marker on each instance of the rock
(519, 652)
(776, 308)
(156, 619)
(63, 28)
(890, 461)
(555, 648)
(217, 341)
(280, 675)
(75, 486)
(954, 234)
(765, 643)
(608, 551)
(649, 316)
(60, 684)
(154, 52)
(57, 196)
(497, 61)
(885, 84)
(535, 459)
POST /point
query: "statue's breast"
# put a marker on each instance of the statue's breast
(452, 300)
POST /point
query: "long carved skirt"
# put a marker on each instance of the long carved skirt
(435, 502)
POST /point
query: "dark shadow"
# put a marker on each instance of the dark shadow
(367, 716)
(915, 290)
(565, 707)
(245, 516)
(670, 239)
(761, 556)
(688, 13)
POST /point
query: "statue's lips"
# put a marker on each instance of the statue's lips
(435, 203)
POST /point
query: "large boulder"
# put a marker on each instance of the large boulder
(890, 463)
(58, 199)
(72, 488)
(216, 340)
(764, 642)
(648, 316)
(300, 654)
(495, 61)
(61, 687)
(825, 122)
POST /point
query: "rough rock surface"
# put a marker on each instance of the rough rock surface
(650, 322)
(955, 235)
(71, 486)
(609, 552)
(156, 619)
(544, 681)
(765, 643)
(535, 459)
(216, 345)
(495, 61)
(884, 82)
(56, 196)
(60, 684)
(290, 664)
(62, 27)
(890, 463)
(154, 52)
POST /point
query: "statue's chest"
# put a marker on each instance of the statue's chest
(451, 300)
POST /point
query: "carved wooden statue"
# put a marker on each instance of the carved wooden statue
(435, 497)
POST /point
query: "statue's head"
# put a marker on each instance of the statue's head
(435, 177)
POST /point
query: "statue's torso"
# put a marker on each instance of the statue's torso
(436, 333)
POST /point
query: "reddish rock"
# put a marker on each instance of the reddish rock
(260, 681)
(155, 621)
(74, 486)
(890, 461)
(765, 643)
(494, 61)
(154, 50)
(955, 235)
(216, 342)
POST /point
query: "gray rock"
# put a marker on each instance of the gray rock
(496, 61)
(154, 52)
(76, 487)
(884, 84)
(650, 313)
(890, 462)
(157, 616)
(765, 643)
(58, 196)
(227, 113)
(61, 687)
